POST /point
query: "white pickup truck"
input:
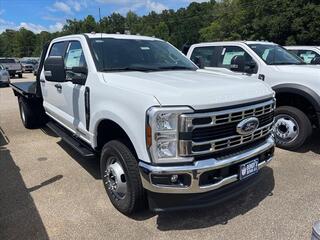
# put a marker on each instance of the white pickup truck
(164, 131)
(295, 83)
(309, 54)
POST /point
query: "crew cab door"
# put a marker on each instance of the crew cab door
(64, 98)
(53, 97)
(224, 59)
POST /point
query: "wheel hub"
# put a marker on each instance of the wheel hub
(115, 179)
(286, 128)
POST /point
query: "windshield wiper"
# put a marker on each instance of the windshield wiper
(176, 68)
(138, 69)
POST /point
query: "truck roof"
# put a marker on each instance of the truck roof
(104, 35)
(299, 47)
(232, 42)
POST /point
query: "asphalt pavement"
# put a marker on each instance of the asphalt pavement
(47, 191)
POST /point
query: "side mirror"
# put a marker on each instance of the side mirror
(199, 61)
(54, 69)
(237, 64)
(315, 61)
(250, 67)
(78, 75)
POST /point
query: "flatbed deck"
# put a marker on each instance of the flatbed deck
(26, 89)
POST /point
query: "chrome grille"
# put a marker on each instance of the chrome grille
(215, 131)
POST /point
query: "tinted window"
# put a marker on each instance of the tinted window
(58, 49)
(74, 56)
(137, 55)
(205, 53)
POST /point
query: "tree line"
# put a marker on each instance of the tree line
(286, 22)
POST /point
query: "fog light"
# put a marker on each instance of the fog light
(174, 178)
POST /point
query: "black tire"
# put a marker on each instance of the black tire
(134, 199)
(31, 113)
(304, 127)
(20, 75)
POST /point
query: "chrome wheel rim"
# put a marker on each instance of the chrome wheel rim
(115, 178)
(286, 128)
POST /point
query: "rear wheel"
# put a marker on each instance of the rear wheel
(292, 127)
(31, 113)
(121, 179)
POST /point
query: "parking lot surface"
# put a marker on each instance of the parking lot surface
(47, 191)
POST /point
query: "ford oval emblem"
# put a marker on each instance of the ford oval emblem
(248, 126)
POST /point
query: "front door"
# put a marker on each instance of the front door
(74, 94)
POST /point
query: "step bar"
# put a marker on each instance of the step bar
(77, 144)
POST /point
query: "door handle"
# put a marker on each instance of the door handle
(58, 86)
(42, 81)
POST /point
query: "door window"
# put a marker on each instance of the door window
(229, 52)
(74, 56)
(205, 53)
(58, 49)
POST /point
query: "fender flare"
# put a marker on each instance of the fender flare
(301, 90)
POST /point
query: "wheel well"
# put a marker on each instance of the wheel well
(109, 130)
(300, 102)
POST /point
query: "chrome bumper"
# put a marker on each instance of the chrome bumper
(197, 168)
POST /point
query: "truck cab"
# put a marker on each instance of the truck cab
(167, 135)
(295, 83)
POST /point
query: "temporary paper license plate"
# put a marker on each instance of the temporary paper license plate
(248, 169)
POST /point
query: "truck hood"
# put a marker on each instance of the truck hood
(199, 90)
(308, 75)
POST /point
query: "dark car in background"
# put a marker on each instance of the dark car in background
(27, 66)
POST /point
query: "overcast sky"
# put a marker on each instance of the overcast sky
(50, 15)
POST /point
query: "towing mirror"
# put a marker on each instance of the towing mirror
(77, 75)
(54, 69)
(237, 64)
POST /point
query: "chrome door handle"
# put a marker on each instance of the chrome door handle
(58, 86)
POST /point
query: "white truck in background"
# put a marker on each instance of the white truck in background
(309, 54)
(296, 84)
(166, 134)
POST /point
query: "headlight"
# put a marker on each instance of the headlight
(162, 134)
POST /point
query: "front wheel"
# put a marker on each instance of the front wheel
(121, 179)
(292, 127)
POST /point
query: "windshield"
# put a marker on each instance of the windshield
(137, 55)
(7, 60)
(275, 55)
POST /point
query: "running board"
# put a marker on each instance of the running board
(77, 144)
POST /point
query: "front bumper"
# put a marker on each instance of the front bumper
(197, 168)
